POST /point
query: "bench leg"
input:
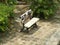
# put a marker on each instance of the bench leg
(35, 25)
(22, 28)
(27, 30)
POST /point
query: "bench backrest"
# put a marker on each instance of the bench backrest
(26, 15)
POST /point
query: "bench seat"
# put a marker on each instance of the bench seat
(31, 22)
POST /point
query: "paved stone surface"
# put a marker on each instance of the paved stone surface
(54, 39)
(47, 33)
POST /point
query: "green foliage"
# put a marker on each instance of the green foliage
(27, 1)
(5, 12)
(11, 2)
(44, 8)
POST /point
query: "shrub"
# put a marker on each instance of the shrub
(5, 12)
(11, 2)
(44, 9)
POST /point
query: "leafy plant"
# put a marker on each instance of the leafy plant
(44, 9)
(11, 2)
(5, 13)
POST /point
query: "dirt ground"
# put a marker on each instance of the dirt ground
(47, 33)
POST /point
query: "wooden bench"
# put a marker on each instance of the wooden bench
(31, 23)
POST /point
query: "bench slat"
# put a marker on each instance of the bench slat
(31, 22)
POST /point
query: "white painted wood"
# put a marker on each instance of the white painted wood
(26, 13)
(31, 22)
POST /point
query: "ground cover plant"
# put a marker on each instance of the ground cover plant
(44, 9)
(6, 12)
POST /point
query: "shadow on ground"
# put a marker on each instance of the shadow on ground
(14, 33)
